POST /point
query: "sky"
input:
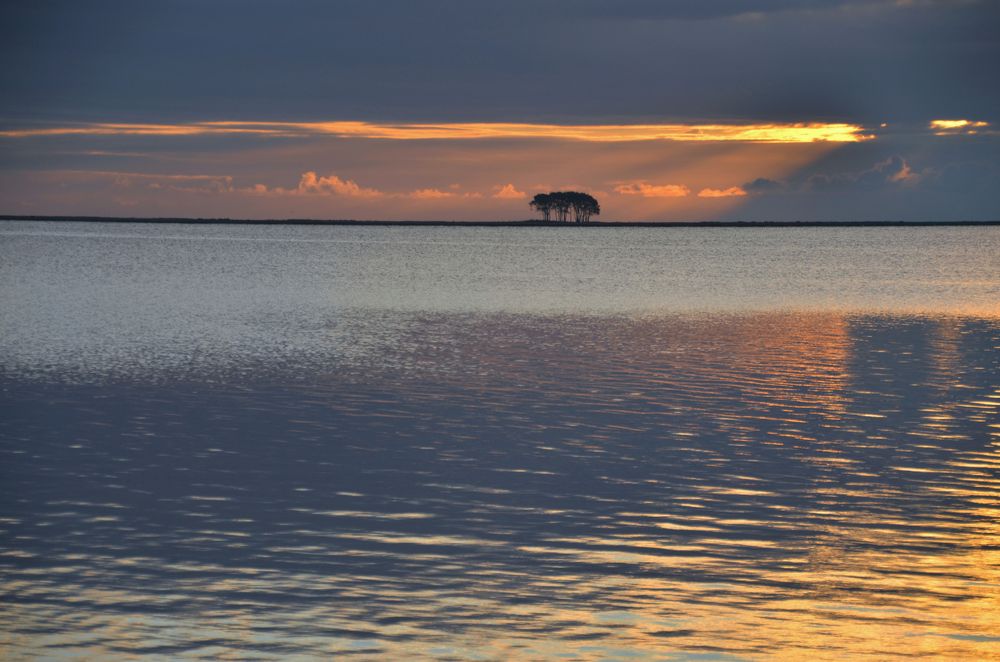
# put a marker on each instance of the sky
(810, 110)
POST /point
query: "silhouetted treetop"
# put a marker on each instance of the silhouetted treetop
(564, 204)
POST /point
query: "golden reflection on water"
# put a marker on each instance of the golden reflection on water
(773, 486)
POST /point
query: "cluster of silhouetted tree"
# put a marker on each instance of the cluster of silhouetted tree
(563, 205)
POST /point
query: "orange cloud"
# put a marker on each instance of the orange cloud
(799, 132)
(431, 194)
(721, 193)
(647, 190)
(310, 183)
(507, 192)
(905, 174)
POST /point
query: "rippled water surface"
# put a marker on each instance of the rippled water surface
(472, 443)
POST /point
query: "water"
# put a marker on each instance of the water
(469, 443)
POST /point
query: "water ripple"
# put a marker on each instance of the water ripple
(811, 484)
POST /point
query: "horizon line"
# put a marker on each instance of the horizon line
(171, 220)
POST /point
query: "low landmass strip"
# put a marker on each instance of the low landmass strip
(524, 223)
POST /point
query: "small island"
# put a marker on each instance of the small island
(563, 204)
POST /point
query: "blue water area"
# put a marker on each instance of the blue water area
(233, 442)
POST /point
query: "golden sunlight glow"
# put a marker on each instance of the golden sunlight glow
(951, 127)
(956, 124)
(767, 133)
(732, 191)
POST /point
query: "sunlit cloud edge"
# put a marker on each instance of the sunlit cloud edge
(800, 132)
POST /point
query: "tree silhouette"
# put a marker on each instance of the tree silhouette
(543, 203)
(564, 204)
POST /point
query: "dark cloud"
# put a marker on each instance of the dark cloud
(866, 61)
(688, 9)
(763, 185)
(933, 187)
(890, 173)
(893, 171)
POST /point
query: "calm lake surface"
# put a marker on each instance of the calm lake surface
(259, 442)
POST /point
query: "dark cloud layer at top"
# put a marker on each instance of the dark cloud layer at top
(692, 9)
(867, 61)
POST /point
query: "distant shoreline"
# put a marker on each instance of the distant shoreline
(497, 224)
